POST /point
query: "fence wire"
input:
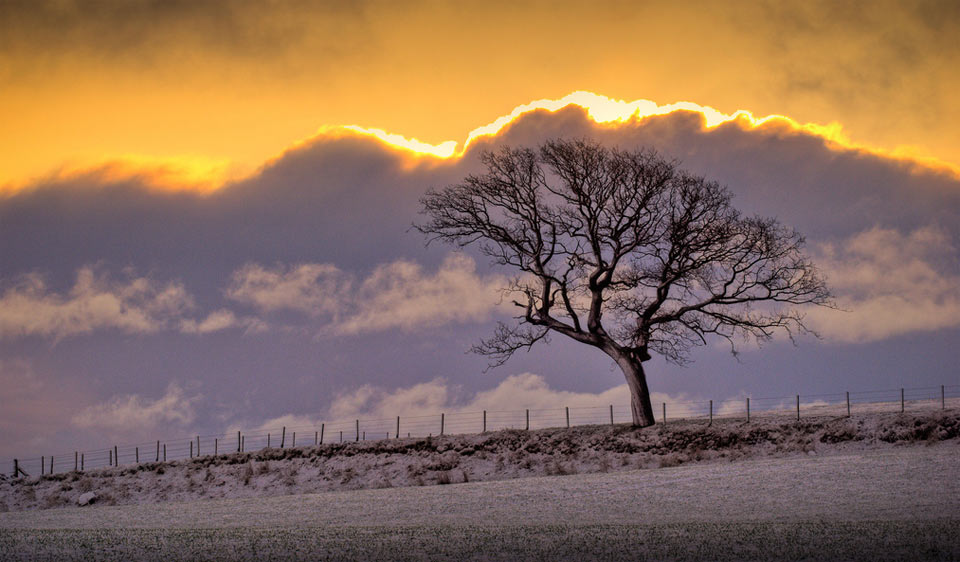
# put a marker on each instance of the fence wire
(472, 422)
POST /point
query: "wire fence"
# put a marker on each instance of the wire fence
(471, 422)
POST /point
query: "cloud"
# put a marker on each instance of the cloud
(137, 305)
(401, 295)
(889, 283)
(515, 393)
(222, 319)
(121, 31)
(419, 407)
(133, 412)
(376, 402)
(314, 289)
(335, 215)
(396, 295)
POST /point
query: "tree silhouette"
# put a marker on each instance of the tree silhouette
(624, 251)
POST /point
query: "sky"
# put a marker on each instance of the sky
(205, 208)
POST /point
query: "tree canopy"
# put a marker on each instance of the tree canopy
(624, 251)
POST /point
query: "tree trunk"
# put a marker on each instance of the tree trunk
(640, 406)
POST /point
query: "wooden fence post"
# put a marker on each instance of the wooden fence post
(116, 456)
(198, 445)
(43, 464)
(191, 448)
(664, 413)
(484, 421)
(748, 409)
(848, 403)
(243, 442)
(711, 412)
(321, 434)
(76, 461)
(268, 440)
(239, 443)
(16, 468)
(611, 414)
(81, 463)
(158, 452)
(528, 419)
(358, 431)
(341, 436)
(164, 452)
(567, 408)
(316, 438)
(441, 423)
(283, 436)
(798, 407)
(216, 446)
(136, 455)
(293, 442)
(51, 464)
(398, 427)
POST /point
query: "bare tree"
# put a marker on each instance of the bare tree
(623, 251)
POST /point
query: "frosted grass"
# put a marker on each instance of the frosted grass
(893, 503)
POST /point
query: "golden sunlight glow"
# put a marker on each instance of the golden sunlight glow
(182, 173)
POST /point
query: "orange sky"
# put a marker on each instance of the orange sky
(217, 88)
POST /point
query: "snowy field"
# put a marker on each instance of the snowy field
(881, 486)
(885, 504)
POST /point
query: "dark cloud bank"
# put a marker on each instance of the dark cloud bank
(350, 202)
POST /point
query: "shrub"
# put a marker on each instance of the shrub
(54, 500)
(672, 459)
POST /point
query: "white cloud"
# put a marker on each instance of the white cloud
(515, 393)
(219, 320)
(419, 406)
(399, 294)
(138, 305)
(889, 283)
(315, 289)
(133, 412)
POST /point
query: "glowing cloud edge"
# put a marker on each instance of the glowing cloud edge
(205, 175)
(602, 109)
